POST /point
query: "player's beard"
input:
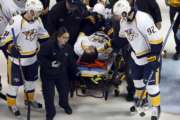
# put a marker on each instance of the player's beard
(123, 19)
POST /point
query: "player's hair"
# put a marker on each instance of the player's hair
(61, 31)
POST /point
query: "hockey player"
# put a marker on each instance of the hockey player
(146, 43)
(7, 10)
(95, 46)
(93, 38)
(67, 13)
(22, 47)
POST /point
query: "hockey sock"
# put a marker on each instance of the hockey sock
(11, 100)
(11, 95)
(154, 94)
(29, 95)
(29, 90)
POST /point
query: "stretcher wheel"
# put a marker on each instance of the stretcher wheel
(133, 109)
(116, 93)
(142, 114)
(72, 94)
(83, 90)
(106, 94)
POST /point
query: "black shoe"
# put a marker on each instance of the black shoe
(67, 109)
(176, 56)
(15, 111)
(130, 97)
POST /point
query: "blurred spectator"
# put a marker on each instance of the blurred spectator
(178, 33)
(151, 7)
(68, 13)
(173, 10)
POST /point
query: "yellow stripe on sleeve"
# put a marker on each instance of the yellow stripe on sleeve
(156, 41)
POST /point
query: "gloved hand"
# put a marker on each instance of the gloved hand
(152, 66)
(55, 64)
(178, 34)
(14, 50)
(78, 74)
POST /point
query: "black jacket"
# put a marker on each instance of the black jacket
(45, 3)
(151, 7)
(50, 52)
(59, 16)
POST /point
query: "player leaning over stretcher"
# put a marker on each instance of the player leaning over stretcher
(93, 42)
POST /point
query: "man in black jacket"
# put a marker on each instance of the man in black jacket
(151, 7)
(56, 59)
(46, 4)
(68, 13)
(121, 44)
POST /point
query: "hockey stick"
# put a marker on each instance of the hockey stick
(23, 77)
(140, 101)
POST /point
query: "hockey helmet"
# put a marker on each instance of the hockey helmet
(34, 5)
(99, 8)
(121, 8)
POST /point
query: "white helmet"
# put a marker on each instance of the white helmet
(120, 7)
(34, 5)
(99, 8)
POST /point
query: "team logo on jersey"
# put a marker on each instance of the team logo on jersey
(16, 79)
(131, 34)
(31, 34)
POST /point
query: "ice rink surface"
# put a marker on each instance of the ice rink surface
(116, 108)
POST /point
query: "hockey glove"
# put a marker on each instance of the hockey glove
(152, 66)
(14, 50)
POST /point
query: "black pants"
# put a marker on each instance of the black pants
(48, 89)
(173, 11)
(128, 60)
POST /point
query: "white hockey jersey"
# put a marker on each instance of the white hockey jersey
(8, 9)
(99, 42)
(140, 34)
(27, 34)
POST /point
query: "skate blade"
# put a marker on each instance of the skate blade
(140, 111)
(19, 118)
